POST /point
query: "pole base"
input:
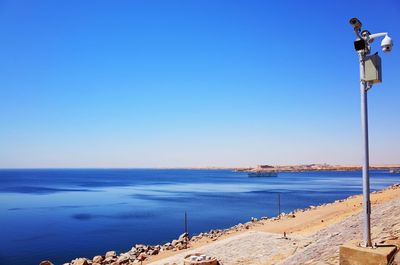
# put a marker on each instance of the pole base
(352, 253)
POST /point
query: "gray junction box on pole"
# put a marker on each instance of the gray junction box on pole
(373, 69)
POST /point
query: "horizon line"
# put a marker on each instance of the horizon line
(201, 167)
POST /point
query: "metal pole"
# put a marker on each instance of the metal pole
(186, 228)
(365, 166)
(279, 205)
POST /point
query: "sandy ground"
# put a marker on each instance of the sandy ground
(314, 235)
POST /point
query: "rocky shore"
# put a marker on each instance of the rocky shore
(312, 167)
(136, 255)
(140, 253)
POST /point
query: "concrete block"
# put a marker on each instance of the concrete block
(352, 254)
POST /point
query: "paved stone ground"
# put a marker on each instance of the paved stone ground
(321, 247)
(385, 221)
(236, 249)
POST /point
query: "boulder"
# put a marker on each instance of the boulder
(183, 236)
(98, 259)
(179, 245)
(175, 242)
(109, 260)
(80, 262)
(153, 252)
(142, 257)
(111, 254)
(169, 247)
(46, 262)
(132, 255)
(123, 259)
(140, 246)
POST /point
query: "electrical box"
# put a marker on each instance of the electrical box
(373, 69)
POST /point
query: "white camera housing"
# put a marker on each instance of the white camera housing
(387, 44)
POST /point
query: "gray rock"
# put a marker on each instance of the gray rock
(183, 236)
(109, 260)
(46, 262)
(81, 261)
(123, 259)
(111, 254)
(132, 256)
(153, 252)
(142, 256)
(98, 259)
(140, 246)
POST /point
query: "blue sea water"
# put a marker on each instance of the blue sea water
(60, 214)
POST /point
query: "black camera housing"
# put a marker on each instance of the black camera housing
(359, 45)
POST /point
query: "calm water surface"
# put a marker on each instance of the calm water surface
(63, 214)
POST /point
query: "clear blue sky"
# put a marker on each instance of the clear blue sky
(191, 83)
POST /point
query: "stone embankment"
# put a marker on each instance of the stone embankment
(136, 255)
(140, 253)
(321, 247)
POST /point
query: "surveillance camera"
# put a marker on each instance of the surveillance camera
(387, 44)
(355, 23)
(365, 35)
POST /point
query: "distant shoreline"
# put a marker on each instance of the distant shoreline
(313, 167)
(266, 168)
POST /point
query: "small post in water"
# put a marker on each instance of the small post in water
(186, 231)
(186, 228)
(279, 205)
